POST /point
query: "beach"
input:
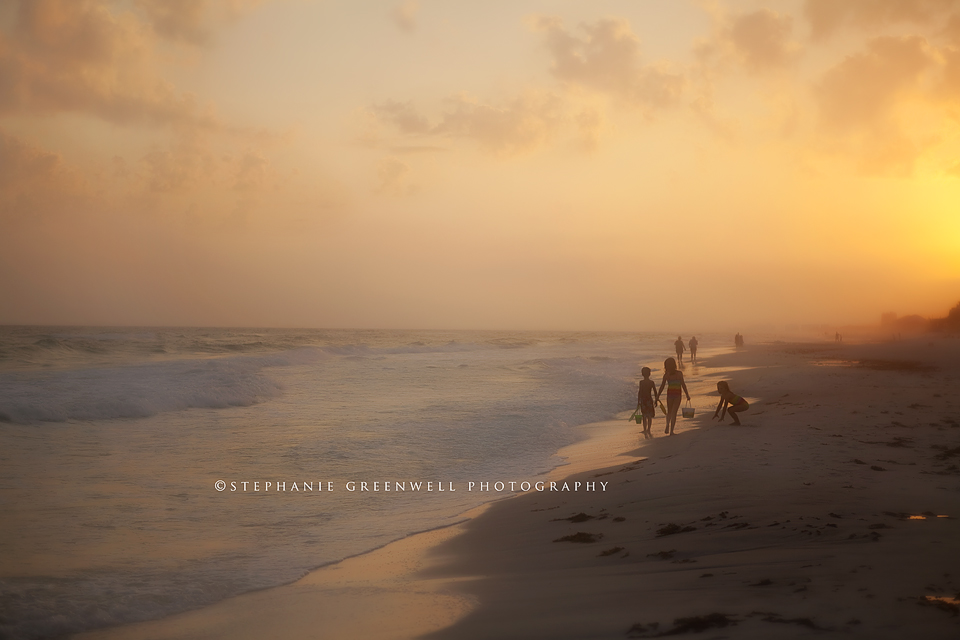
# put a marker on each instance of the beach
(152, 471)
(832, 511)
(325, 319)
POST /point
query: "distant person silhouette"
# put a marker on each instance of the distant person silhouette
(645, 404)
(693, 349)
(678, 345)
(673, 379)
(729, 403)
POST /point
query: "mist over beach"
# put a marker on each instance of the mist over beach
(420, 319)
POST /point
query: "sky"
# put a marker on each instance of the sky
(630, 165)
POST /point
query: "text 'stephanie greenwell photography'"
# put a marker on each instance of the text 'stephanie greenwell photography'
(410, 319)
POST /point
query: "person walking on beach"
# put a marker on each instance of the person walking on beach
(678, 345)
(729, 403)
(645, 404)
(693, 349)
(673, 380)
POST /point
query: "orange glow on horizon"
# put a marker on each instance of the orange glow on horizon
(322, 164)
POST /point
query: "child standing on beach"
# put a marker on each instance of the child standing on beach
(645, 405)
(730, 403)
(673, 380)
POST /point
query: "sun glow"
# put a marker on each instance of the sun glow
(323, 164)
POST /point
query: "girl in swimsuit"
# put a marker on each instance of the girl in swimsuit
(673, 380)
(730, 403)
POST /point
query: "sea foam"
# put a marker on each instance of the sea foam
(134, 391)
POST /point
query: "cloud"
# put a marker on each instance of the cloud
(194, 166)
(890, 106)
(209, 182)
(404, 15)
(948, 85)
(35, 184)
(393, 178)
(410, 149)
(404, 116)
(828, 16)
(605, 57)
(868, 103)
(182, 167)
(862, 89)
(82, 56)
(192, 21)
(762, 38)
(513, 126)
(252, 172)
(725, 128)
(951, 30)
(889, 150)
(520, 124)
(590, 124)
(177, 19)
(759, 41)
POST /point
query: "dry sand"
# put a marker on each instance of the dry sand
(796, 524)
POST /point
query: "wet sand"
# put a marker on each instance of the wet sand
(795, 524)
(381, 594)
(817, 517)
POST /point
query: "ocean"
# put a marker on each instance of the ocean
(115, 444)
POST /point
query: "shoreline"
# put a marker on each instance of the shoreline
(338, 584)
(818, 516)
(777, 516)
